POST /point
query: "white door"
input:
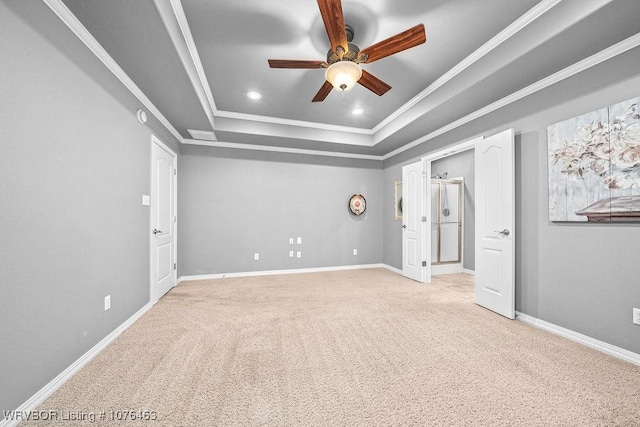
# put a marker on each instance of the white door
(495, 234)
(414, 221)
(163, 219)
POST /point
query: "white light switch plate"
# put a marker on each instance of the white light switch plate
(299, 240)
(146, 200)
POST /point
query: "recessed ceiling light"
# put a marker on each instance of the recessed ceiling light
(254, 95)
(357, 111)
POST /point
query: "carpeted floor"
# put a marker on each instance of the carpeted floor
(347, 348)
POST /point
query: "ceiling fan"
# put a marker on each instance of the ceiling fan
(342, 64)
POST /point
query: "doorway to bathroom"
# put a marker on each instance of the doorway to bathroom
(447, 223)
(494, 241)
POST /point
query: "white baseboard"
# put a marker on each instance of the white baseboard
(446, 269)
(395, 270)
(611, 350)
(276, 272)
(57, 382)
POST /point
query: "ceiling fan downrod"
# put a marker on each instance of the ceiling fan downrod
(340, 55)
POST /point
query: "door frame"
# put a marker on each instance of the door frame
(155, 140)
(449, 151)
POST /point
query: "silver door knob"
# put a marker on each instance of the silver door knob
(504, 232)
(156, 231)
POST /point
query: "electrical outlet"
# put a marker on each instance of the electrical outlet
(291, 240)
(355, 252)
(290, 254)
(636, 316)
(107, 302)
(256, 256)
(299, 254)
(299, 240)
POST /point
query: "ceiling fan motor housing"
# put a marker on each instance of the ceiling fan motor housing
(351, 55)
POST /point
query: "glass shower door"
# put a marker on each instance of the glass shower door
(446, 228)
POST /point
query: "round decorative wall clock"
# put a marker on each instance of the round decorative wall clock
(357, 204)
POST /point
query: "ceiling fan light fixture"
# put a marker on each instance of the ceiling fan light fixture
(343, 75)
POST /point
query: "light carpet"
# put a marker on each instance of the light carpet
(345, 348)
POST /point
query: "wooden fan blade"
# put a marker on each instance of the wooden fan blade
(323, 92)
(333, 18)
(373, 83)
(403, 41)
(291, 63)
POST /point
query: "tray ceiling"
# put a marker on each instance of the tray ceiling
(195, 61)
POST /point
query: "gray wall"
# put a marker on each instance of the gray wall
(236, 203)
(583, 277)
(74, 165)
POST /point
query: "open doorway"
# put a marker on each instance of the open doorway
(418, 252)
(453, 235)
(494, 241)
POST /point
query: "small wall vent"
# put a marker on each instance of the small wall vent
(202, 135)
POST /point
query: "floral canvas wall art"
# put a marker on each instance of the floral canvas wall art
(594, 165)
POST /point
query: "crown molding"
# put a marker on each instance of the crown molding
(522, 22)
(291, 122)
(70, 20)
(591, 61)
(255, 147)
(200, 76)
